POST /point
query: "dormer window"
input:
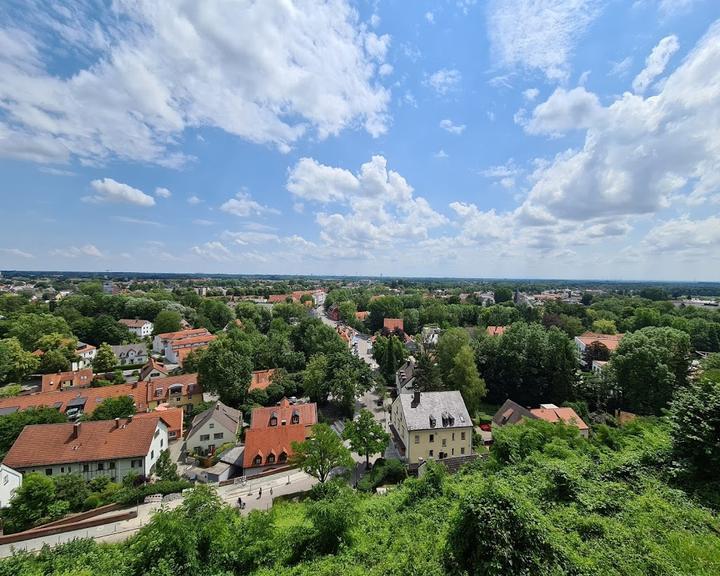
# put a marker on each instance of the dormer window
(271, 459)
(273, 419)
(283, 457)
(176, 389)
(257, 460)
(295, 419)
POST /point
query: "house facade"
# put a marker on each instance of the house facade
(141, 328)
(130, 353)
(112, 448)
(181, 391)
(273, 429)
(66, 380)
(431, 425)
(10, 481)
(218, 425)
(512, 413)
(161, 341)
(85, 354)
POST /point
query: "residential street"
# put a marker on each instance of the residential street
(117, 531)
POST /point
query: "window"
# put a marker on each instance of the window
(136, 464)
(218, 435)
(271, 459)
(462, 450)
(211, 425)
(101, 466)
(430, 453)
(152, 454)
(86, 467)
(417, 438)
(432, 437)
(48, 471)
(257, 460)
(273, 420)
(444, 442)
(204, 437)
(453, 436)
(282, 457)
(295, 418)
(462, 435)
(453, 451)
(6, 479)
(112, 466)
(162, 441)
(157, 433)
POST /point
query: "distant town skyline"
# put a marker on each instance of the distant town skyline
(509, 139)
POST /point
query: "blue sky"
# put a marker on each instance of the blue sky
(514, 138)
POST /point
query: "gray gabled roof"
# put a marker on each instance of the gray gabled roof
(228, 418)
(511, 413)
(436, 410)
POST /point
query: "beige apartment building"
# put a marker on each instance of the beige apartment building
(431, 425)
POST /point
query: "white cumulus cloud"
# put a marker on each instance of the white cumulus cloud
(449, 126)
(109, 190)
(656, 63)
(538, 34)
(243, 205)
(267, 72)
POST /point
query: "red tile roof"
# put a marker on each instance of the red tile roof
(193, 341)
(158, 388)
(151, 366)
(51, 444)
(393, 323)
(93, 396)
(559, 414)
(261, 379)
(262, 439)
(611, 341)
(133, 323)
(172, 416)
(276, 298)
(182, 334)
(77, 379)
(496, 330)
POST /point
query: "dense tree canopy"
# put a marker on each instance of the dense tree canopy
(366, 435)
(321, 453)
(15, 363)
(528, 364)
(649, 365)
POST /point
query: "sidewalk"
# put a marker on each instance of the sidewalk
(118, 531)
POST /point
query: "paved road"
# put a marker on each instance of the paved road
(118, 531)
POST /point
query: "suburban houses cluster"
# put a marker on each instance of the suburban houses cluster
(220, 444)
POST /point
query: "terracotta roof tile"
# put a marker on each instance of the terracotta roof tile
(263, 439)
(496, 330)
(92, 396)
(49, 444)
(261, 379)
(393, 323)
(133, 323)
(77, 379)
(560, 414)
(182, 334)
(611, 341)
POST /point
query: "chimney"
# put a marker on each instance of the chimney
(117, 422)
(129, 418)
(76, 430)
(416, 397)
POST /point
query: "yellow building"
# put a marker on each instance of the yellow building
(431, 425)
